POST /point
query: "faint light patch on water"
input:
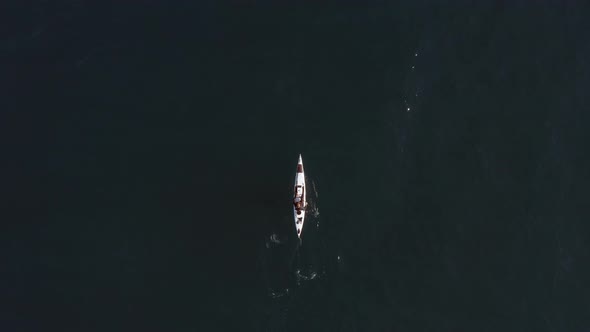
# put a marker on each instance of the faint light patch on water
(414, 90)
(313, 206)
(411, 89)
(340, 263)
(274, 238)
(315, 191)
(301, 276)
(279, 293)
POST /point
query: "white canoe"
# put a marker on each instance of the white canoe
(299, 201)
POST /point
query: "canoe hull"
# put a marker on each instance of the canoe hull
(299, 198)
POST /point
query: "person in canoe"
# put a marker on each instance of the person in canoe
(298, 203)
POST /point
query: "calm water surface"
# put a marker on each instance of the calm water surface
(445, 146)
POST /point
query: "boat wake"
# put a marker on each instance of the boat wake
(288, 263)
(279, 293)
(273, 240)
(291, 267)
(312, 205)
(301, 276)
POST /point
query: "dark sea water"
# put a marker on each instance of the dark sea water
(150, 153)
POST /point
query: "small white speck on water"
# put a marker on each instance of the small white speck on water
(415, 54)
(412, 67)
(408, 109)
